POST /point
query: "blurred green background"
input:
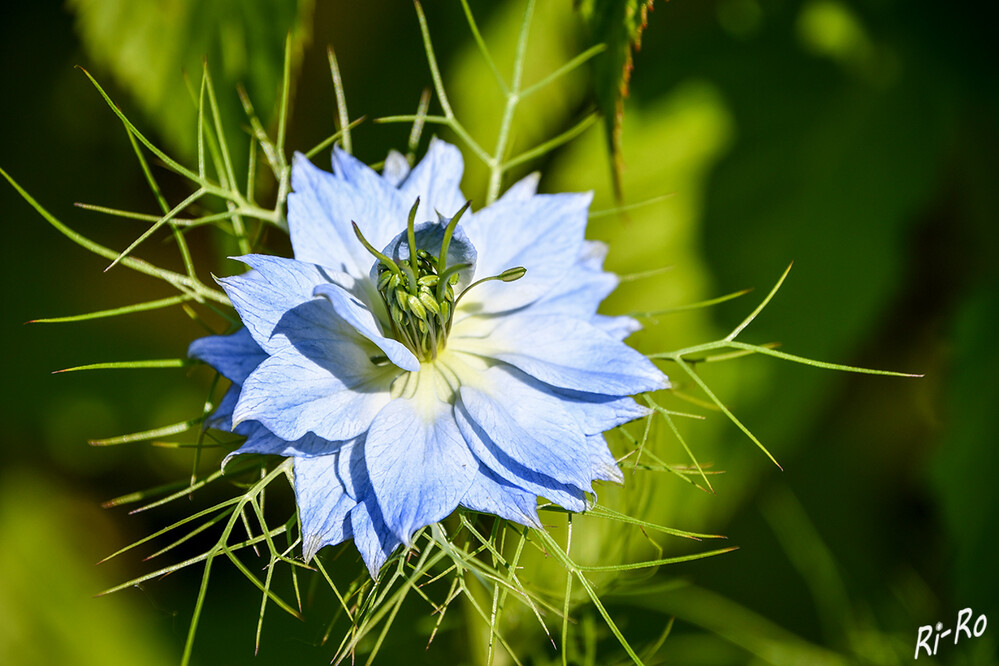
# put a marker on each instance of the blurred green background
(857, 139)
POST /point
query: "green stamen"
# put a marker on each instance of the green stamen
(450, 276)
(446, 243)
(388, 263)
(411, 237)
(509, 275)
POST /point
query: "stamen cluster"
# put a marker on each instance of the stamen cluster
(419, 303)
(418, 292)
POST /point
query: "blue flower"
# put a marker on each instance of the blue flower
(473, 371)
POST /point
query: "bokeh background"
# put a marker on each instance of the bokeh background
(856, 138)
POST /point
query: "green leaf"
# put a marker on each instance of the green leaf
(147, 46)
(618, 24)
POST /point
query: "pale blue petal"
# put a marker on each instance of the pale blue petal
(531, 426)
(418, 463)
(583, 286)
(262, 441)
(318, 236)
(221, 418)
(602, 464)
(356, 313)
(345, 476)
(542, 485)
(374, 203)
(592, 255)
(581, 290)
(396, 168)
(578, 293)
(491, 494)
(320, 209)
(353, 473)
(277, 303)
(617, 327)
(436, 180)
(265, 295)
(597, 413)
(569, 353)
(544, 234)
(323, 506)
(348, 168)
(234, 356)
(372, 537)
(335, 394)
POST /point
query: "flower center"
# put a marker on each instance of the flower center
(420, 312)
(418, 291)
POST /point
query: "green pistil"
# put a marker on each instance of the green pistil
(446, 243)
(385, 261)
(418, 292)
(411, 237)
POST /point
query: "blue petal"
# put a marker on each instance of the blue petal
(543, 234)
(567, 353)
(323, 506)
(345, 476)
(320, 210)
(372, 201)
(530, 426)
(265, 295)
(372, 537)
(597, 413)
(221, 418)
(335, 394)
(353, 473)
(491, 455)
(262, 441)
(277, 303)
(356, 313)
(437, 181)
(396, 168)
(417, 462)
(617, 327)
(592, 255)
(491, 494)
(582, 288)
(602, 464)
(234, 356)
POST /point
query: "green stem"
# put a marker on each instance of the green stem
(496, 167)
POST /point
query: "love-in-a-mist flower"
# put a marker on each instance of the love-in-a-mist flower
(416, 356)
